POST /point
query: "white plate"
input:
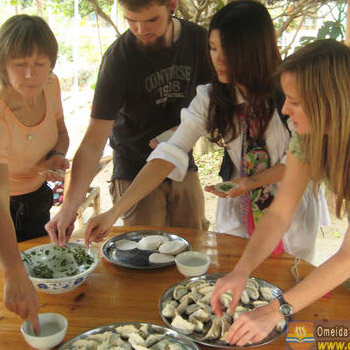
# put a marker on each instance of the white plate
(170, 335)
(198, 336)
(136, 258)
(226, 186)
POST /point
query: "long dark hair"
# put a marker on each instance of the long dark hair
(249, 43)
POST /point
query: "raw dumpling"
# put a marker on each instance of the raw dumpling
(175, 346)
(182, 325)
(151, 242)
(136, 339)
(215, 329)
(100, 337)
(159, 259)
(153, 339)
(126, 330)
(172, 247)
(85, 344)
(125, 244)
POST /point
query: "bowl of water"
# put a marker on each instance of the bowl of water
(192, 263)
(53, 328)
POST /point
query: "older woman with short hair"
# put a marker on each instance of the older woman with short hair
(33, 143)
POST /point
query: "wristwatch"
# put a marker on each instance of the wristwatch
(285, 309)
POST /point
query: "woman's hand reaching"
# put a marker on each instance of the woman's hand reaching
(251, 326)
(235, 282)
(99, 226)
(54, 168)
(254, 326)
(20, 296)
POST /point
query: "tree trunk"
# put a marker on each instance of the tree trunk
(39, 6)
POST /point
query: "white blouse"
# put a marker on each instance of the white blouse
(300, 238)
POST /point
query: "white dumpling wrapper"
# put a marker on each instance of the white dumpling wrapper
(172, 247)
(159, 259)
(125, 244)
(151, 242)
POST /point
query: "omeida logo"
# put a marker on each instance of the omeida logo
(300, 335)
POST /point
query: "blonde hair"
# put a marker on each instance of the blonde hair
(323, 81)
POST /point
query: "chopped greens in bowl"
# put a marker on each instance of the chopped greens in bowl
(53, 269)
(226, 186)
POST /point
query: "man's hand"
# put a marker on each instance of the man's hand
(61, 226)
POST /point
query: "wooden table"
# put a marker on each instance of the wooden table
(116, 294)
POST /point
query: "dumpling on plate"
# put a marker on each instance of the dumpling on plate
(172, 247)
(160, 259)
(85, 344)
(125, 244)
(151, 242)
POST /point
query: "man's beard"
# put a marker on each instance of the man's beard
(158, 44)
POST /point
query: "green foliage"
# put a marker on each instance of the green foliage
(329, 30)
(22, 3)
(93, 80)
(209, 166)
(333, 30)
(220, 4)
(86, 8)
(65, 7)
(66, 49)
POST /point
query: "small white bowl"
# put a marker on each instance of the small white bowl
(192, 263)
(53, 328)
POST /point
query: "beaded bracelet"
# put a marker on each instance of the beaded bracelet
(52, 153)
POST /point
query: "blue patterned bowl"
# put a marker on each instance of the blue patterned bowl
(55, 270)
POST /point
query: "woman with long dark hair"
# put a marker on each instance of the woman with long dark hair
(243, 118)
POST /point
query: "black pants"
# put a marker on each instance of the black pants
(30, 212)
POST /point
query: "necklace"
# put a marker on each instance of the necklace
(30, 136)
(27, 114)
(33, 112)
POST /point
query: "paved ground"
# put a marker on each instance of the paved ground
(77, 112)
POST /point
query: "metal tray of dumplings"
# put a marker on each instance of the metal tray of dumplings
(199, 336)
(170, 336)
(136, 258)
